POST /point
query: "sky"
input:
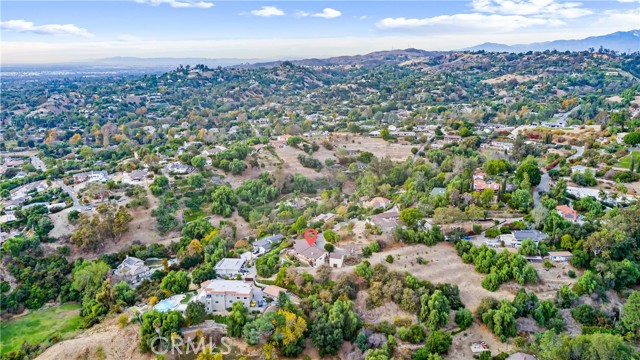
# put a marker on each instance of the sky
(37, 32)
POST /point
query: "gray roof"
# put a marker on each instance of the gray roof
(438, 191)
(534, 235)
(266, 242)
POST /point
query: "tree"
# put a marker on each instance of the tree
(331, 236)
(329, 247)
(632, 138)
(464, 318)
(438, 342)
(175, 282)
(154, 324)
(435, 309)
(530, 168)
(223, 201)
(410, 216)
(160, 185)
(528, 248)
(502, 320)
(237, 167)
(237, 318)
(125, 293)
(195, 312)
(333, 325)
(198, 162)
(630, 319)
(88, 277)
(289, 333)
(196, 180)
(521, 200)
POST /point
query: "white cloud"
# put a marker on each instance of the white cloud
(128, 38)
(23, 26)
(546, 8)
(179, 4)
(267, 11)
(622, 20)
(629, 1)
(499, 23)
(326, 13)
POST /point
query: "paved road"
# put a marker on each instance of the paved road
(545, 180)
(39, 164)
(72, 195)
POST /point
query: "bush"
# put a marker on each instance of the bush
(572, 274)
(493, 233)
(389, 259)
(438, 342)
(464, 318)
(477, 229)
(625, 177)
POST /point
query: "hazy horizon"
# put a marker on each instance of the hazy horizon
(77, 31)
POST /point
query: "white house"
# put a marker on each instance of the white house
(264, 245)
(132, 270)
(230, 267)
(336, 260)
(91, 176)
(219, 295)
(560, 256)
(312, 255)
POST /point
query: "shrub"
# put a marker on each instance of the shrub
(438, 342)
(389, 259)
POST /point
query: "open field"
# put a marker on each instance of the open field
(39, 326)
(443, 266)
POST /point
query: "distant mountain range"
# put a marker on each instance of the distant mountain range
(628, 41)
(370, 59)
(622, 41)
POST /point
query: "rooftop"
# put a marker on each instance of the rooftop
(236, 287)
(230, 264)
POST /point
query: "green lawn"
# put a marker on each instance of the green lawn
(38, 326)
(193, 214)
(625, 162)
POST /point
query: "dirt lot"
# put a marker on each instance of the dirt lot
(380, 148)
(444, 266)
(116, 343)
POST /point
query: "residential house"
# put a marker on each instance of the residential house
(387, 221)
(135, 177)
(91, 176)
(220, 295)
(310, 254)
(178, 168)
(336, 260)
(520, 235)
(567, 213)
(481, 185)
(230, 267)
(264, 245)
(132, 270)
(377, 203)
(560, 256)
(438, 191)
(452, 138)
(323, 217)
(521, 356)
(273, 291)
